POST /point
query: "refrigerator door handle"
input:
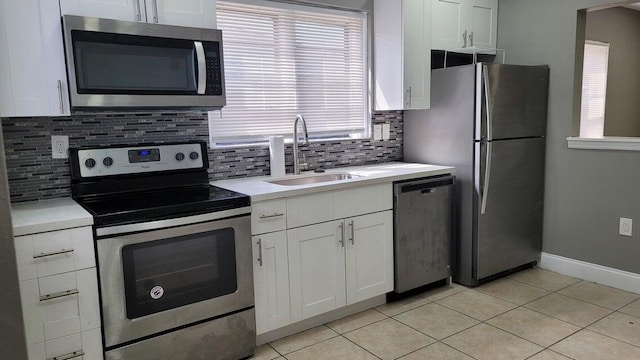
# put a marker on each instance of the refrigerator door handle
(487, 178)
(487, 102)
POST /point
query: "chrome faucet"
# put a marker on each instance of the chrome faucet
(297, 166)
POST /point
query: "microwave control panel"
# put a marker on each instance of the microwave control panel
(214, 69)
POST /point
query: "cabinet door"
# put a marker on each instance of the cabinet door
(194, 13)
(484, 23)
(271, 281)
(316, 269)
(450, 22)
(369, 256)
(32, 61)
(130, 10)
(416, 21)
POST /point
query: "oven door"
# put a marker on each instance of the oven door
(159, 280)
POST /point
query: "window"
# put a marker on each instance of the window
(283, 59)
(594, 89)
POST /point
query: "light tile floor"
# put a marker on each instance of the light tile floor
(534, 314)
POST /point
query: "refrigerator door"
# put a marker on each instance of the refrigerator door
(509, 205)
(516, 105)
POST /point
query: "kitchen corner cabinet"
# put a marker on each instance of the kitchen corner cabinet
(34, 77)
(459, 24)
(402, 54)
(193, 13)
(59, 294)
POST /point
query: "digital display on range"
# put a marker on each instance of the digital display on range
(144, 155)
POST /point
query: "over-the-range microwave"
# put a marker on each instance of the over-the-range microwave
(122, 65)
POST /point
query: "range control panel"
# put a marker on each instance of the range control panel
(108, 161)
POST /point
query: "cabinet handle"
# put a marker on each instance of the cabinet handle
(408, 99)
(341, 231)
(259, 251)
(138, 12)
(352, 236)
(60, 97)
(464, 38)
(471, 39)
(155, 11)
(59, 295)
(72, 355)
(59, 252)
(271, 216)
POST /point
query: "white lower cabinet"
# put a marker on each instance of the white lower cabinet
(271, 281)
(339, 263)
(318, 252)
(86, 345)
(59, 294)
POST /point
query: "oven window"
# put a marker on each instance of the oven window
(165, 274)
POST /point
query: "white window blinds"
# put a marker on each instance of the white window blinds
(281, 60)
(594, 89)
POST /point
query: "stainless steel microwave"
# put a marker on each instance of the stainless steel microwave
(118, 65)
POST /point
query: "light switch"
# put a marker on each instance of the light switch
(377, 132)
(386, 131)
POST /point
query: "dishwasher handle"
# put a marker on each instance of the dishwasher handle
(424, 186)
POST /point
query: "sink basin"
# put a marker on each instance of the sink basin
(313, 179)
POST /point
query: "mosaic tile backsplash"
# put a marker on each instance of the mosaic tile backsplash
(35, 175)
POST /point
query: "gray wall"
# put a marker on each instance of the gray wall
(620, 27)
(12, 340)
(587, 191)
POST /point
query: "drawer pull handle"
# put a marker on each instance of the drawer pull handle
(72, 355)
(271, 216)
(60, 252)
(59, 295)
(260, 251)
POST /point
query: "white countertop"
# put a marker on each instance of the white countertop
(260, 189)
(48, 215)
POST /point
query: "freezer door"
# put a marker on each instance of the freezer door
(509, 205)
(516, 105)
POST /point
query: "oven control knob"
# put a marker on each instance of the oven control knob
(180, 156)
(194, 155)
(108, 161)
(89, 163)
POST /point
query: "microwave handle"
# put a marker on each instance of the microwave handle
(202, 67)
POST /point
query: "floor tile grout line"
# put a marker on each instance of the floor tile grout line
(609, 336)
(592, 303)
(304, 347)
(540, 287)
(361, 347)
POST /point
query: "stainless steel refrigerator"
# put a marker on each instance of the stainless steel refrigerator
(489, 121)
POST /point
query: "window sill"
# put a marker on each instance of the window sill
(605, 143)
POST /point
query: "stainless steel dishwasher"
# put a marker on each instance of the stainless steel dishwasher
(423, 231)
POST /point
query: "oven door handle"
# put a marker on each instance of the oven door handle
(202, 67)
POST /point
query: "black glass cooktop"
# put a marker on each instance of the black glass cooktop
(161, 204)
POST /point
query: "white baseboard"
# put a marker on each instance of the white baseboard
(619, 279)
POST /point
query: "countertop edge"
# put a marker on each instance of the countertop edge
(48, 215)
(262, 191)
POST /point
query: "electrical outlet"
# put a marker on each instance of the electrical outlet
(626, 226)
(377, 132)
(386, 131)
(59, 146)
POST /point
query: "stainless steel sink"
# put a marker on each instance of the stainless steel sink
(313, 179)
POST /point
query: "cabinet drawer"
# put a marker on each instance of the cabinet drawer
(333, 205)
(86, 345)
(60, 305)
(268, 216)
(54, 252)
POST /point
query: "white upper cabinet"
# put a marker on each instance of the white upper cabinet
(459, 24)
(32, 59)
(194, 13)
(402, 54)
